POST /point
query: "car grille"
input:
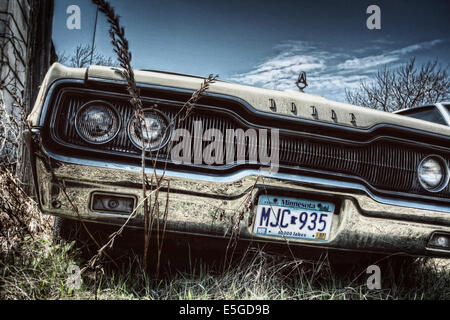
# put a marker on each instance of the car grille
(382, 164)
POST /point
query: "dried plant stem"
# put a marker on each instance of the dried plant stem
(236, 219)
(160, 245)
(121, 48)
(190, 104)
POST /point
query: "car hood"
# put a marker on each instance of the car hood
(328, 111)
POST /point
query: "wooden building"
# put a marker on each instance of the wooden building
(26, 53)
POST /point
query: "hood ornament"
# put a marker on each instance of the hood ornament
(301, 81)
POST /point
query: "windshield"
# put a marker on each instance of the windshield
(259, 43)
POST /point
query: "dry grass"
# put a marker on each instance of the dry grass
(39, 271)
(19, 215)
(36, 270)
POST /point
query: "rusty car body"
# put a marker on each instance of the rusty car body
(367, 166)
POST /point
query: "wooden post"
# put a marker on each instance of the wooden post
(41, 55)
(40, 50)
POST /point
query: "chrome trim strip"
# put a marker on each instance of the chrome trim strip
(233, 177)
(444, 112)
(49, 94)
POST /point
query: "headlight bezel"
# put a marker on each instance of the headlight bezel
(445, 171)
(165, 139)
(104, 104)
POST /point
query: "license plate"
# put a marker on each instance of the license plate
(293, 218)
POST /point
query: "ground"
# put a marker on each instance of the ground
(39, 270)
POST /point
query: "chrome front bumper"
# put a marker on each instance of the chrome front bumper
(213, 206)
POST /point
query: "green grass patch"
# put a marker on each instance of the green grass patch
(39, 270)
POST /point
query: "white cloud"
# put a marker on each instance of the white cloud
(330, 72)
(290, 60)
(385, 58)
(417, 47)
(367, 62)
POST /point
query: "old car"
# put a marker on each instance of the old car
(437, 113)
(337, 178)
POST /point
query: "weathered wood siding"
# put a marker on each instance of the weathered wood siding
(26, 53)
(25, 46)
(14, 41)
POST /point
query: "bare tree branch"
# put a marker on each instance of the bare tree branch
(81, 58)
(407, 86)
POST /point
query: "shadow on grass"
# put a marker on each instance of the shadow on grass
(195, 270)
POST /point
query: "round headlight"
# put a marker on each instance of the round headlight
(152, 133)
(97, 122)
(433, 173)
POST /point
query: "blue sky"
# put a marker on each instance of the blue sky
(267, 43)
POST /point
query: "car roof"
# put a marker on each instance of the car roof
(421, 106)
